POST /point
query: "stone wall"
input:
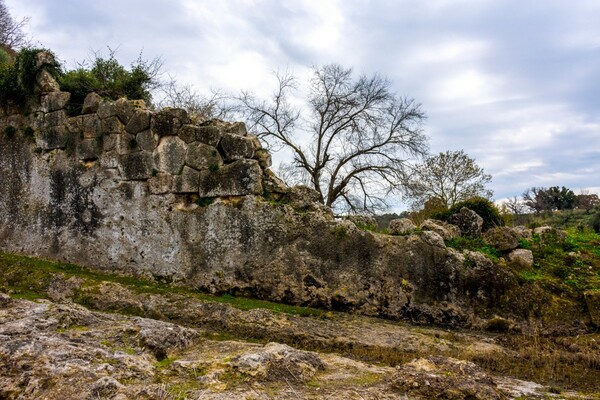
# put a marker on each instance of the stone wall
(122, 188)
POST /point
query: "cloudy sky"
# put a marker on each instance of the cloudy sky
(515, 83)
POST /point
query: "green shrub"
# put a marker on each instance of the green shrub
(18, 79)
(10, 131)
(4, 57)
(595, 222)
(483, 207)
(111, 80)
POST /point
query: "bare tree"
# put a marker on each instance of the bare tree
(515, 206)
(199, 107)
(448, 177)
(11, 30)
(360, 135)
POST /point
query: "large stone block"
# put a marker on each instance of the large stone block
(91, 126)
(502, 237)
(126, 143)
(125, 109)
(170, 155)
(208, 134)
(187, 182)
(160, 183)
(54, 101)
(106, 109)
(55, 118)
(91, 103)
(187, 133)
(146, 140)
(89, 149)
(54, 137)
(240, 178)
(202, 156)
(140, 121)
(168, 121)
(236, 147)
(110, 125)
(136, 166)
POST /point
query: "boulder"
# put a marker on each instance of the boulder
(521, 257)
(240, 178)
(161, 340)
(502, 238)
(445, 230)
(468, 221)
(401, 226)
(170, 155)
(433, 238)
(91, 103)
(444, 378)
(278, 362)
(548, 234)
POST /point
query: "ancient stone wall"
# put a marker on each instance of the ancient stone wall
(123, 188)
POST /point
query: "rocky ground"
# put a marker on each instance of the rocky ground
(57, 349)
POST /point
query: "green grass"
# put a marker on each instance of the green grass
(566, 267)
(29, 278)
(473, 244)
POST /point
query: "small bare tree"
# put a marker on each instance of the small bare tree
(448, 177)
(11, 31)
(199, 107)
(349, 141)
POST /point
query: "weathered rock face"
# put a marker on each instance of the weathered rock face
(148, 194)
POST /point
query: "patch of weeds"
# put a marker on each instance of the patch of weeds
(204, 201)
(154, 172)
(366, 227)
(164, 363)
(474, 244)
(213, 167)
(340, 232)
(10, 131)
(78, 328)
(29, 134)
